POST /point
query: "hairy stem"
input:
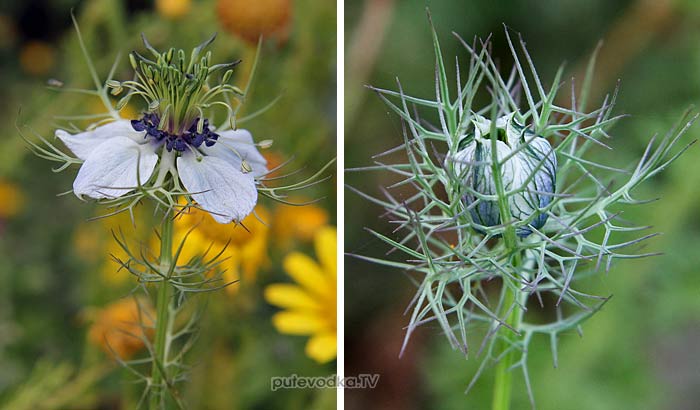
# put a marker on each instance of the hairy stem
(158, 368)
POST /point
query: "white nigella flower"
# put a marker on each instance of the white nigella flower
(218, 171)
(528, 168)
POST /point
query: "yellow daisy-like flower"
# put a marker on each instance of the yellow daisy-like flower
(310, 305)
(245, 254)
(120, 327)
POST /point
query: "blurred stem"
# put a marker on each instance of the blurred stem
(77, 387)
(626, 39)
(362, 51)
(164, 295)
(114, 18)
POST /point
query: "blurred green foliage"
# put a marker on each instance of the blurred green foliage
(48, 287)
(642, 350)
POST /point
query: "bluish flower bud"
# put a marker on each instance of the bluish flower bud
(528, 167)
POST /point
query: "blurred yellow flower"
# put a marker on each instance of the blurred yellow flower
(128, 112)
(310, 305)
(36, 57)
(120, 327)
(292, 223)
(97, 106)
(94, 243)
(250, 19)
(11, 200)
(173, 9)
(245, 254)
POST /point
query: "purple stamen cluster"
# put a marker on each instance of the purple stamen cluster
(191, 137)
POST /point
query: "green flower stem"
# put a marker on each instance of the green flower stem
(164, 296)
(505, 347)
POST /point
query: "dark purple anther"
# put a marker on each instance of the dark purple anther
(211, 140)
(193, 127)
(191, 137)
(138, 125)
(198, 140)
(180, 145)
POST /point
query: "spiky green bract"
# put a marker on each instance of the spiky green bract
(459, 264)
(178, 314)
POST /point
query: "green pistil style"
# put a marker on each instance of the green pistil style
(177, 89)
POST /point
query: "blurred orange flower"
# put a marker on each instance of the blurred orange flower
(173, 9)
(274, 160)
(37, 57)
(310, 305)
(246, 252)
(11, 200)
(121, 327)
(250, 19)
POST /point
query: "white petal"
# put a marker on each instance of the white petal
(505, 121)
(482, 126)
(110, 170)
(219, 187)
(514, 133)
(234, 145)
(84, 143)
(466, 159)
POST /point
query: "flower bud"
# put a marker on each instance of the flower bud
(527, 165)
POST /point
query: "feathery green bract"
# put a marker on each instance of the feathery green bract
(456, 261)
